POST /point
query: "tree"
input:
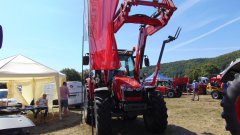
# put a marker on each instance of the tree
(71, 74)
(210, 69)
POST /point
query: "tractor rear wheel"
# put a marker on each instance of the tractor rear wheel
(231, 106)
(155, 117)
(103, 113)
(170, 94)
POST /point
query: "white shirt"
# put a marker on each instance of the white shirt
(42, 102)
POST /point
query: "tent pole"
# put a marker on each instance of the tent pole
(58, 91)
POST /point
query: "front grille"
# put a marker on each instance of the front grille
(133, 93)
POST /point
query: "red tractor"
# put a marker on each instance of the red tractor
(173, 88)
(120, 92)
(231, 100)
(214, 87)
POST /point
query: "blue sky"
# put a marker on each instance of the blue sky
(50, 31)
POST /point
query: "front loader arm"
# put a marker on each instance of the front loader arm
(170, 38)
(155, 22)
(149, 24)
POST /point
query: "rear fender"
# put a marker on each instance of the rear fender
(230, 71)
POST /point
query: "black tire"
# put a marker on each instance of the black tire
(170, 94)
(155, 117)
(228, 103)
(77, 106)
(215, 94)
(89, 117)
(103, 113)
(178, 94)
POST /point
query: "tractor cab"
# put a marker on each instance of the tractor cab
(126, 63)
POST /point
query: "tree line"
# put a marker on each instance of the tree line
(195, 68)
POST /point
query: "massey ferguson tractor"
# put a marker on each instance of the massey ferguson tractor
(120, 93)
(231, 100)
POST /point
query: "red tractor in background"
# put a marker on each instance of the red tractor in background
(173, 88)
(121, 93)
(214, 87)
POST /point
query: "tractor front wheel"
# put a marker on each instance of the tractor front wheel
(103, 113)
(231, 106)
(155, 117)
(89, 118)
(215, 94)
(130, 116)
(170, 94)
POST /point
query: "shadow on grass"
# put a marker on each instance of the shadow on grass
(137, 127)
(54, 124)
(205, 133)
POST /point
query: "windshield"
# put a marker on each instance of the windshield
(127, 65)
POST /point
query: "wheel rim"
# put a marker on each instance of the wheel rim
(215, 95)
(238, 108)
(170, 94)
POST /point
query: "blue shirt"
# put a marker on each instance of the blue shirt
(195, 85)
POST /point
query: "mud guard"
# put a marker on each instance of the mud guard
(229, 103)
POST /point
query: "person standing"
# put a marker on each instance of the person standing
(64, 93)
(195, 90)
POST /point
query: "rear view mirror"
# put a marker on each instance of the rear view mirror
(85, 60)
(1, 36)
(146, 61)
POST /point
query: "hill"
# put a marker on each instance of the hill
(195, 67)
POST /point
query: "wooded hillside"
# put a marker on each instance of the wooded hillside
(194, 68)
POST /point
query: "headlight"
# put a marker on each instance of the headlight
(129, 89)
(122, 87)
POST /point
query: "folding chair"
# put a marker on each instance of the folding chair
(55, 104)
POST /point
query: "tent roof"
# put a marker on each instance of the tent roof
(160, 77)
(21, 66)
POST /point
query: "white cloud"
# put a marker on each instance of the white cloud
(185, 6)
(199, 24)
(205, 34)
(208, 49)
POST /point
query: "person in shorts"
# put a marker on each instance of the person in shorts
(195, 87)
(64, 93)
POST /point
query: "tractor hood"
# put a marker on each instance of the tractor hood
(127, 81)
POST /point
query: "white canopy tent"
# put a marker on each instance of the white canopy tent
(27, 80)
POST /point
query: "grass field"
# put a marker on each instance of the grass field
(185, 117)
